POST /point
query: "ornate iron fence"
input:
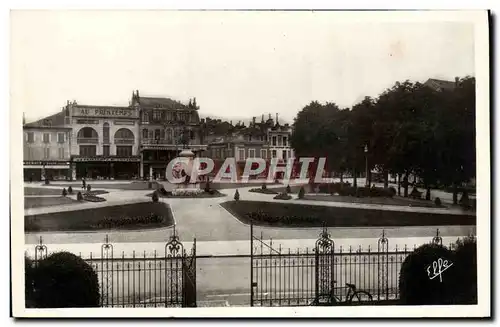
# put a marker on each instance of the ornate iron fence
(281, 277)
(165, 279)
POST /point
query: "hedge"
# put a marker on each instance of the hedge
(64, 280)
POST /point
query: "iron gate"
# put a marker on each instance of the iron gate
(282, 277)
(145, 279)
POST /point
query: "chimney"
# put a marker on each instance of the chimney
(276, 118)
(253, 120)
(262, 120)
(457, 80)
(270, 116)
(137, 93)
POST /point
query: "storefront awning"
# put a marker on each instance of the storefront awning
(107, 159)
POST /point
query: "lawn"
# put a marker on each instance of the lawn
(299, 215)
(36, 202)
(123, 217)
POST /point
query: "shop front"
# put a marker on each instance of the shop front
(36, 171)
(106, 167)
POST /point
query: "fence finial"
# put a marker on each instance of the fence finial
(437, 239)
(40, 242)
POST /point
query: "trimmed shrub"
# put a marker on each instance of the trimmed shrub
(416, 194)
(392, 190)
(64, 193)
(264, 186)
(70, 190)
(93, 198)
(155, 197)
(47, 181)
(288, 189)
(79, 196)
(437, 202)
(466, 267)
(263, 191)
(419, 282)
(464, 200)
(236, 195)
(282, 196)
(89, 188)
(302, 192)
(64, 280)
(28, 282)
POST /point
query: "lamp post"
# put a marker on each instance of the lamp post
(366, 162)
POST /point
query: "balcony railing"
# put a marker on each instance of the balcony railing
(124, 141)
(91, 140)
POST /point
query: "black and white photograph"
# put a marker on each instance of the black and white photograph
(240, 163)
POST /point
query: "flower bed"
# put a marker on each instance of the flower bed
(96, 218)
(263, 190)
(117, 222)
(93, 198)
(299, 215)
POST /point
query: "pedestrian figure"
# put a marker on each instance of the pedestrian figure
(83, 183)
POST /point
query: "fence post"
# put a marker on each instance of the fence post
(438, 240)
(40, 251)
(251, 263)
(106, 277)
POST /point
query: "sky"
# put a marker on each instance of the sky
(236, 64)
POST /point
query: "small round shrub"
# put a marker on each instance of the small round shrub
(392, 190)
(47, 181)
(79, 196)
(236, 195)
(302, 192)
(288, 189)
(418, 283)
(155, 197)
(264, 186)
(64, 280)
(89, 188)
(70, 190)
(437, 202)
(64, 193)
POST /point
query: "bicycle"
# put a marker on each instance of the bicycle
(353, 295)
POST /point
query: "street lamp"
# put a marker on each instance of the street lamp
(366, 161)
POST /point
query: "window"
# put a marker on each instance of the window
(145, 117)
(280, 140)
(105, 132)
(191, 135)
(285, 141)
(284, 154)
(31, 137)
(229, 152)
(46, 138)
(124, 151)
(274, 140)
(263, 153)
(151, 135)
(251, 153)
(105, 150)
(157, 134)
(60, 137)
(88, 150)
(61, 153)
(46, 153)
(144, 133)
(274, 153)
(162, 134)
(241, 152)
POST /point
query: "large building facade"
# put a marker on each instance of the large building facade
(46, 149)
(105, 141)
